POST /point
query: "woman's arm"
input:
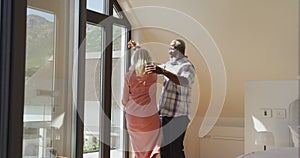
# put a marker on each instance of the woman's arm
(125, 97)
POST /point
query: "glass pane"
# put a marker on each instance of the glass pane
(92, 88)
(48, 105)
(93, 40)
(116, 14)
(117, 114)
(39, 85)
(96, 5)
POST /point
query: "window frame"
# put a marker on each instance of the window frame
(12, 63)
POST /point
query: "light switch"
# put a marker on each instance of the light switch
(266, 112)
(279, 113)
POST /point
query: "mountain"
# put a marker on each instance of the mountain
(39, 42)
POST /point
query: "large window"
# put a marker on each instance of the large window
(39, 132)
(48, 117)
(61, 64)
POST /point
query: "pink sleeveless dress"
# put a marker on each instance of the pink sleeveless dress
(143, 123)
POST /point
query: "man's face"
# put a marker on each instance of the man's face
(172, 50)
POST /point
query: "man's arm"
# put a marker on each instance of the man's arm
(179, 80)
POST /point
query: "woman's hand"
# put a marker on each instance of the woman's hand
(132, 44)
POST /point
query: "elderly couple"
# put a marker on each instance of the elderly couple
(159, 129)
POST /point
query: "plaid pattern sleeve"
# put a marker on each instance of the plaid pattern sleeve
(175, 100)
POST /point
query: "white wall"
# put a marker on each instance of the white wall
(276, 94)
(258, 40)
(222, 142)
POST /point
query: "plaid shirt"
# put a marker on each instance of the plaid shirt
(175, 99)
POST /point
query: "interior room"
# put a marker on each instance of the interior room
(63, 64)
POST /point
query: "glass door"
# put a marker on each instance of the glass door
(92, 104)
(119, 65)
(93, 111)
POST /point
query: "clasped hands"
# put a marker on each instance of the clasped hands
(153, 68)
(132, 44)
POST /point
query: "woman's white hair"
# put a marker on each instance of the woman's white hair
(139, 60)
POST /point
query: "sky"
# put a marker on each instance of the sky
(95, 5)
(48, 16)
